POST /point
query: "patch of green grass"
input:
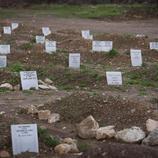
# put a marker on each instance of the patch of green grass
(26, 46)
(4, 90)
(82, 146)
(145, 77)
(112, 53)
(14, 80)
(16, 67)
(80, 11)
(68, 79)
(47, 139)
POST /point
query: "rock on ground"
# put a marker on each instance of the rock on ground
(32, 109)
(151, 125)
(152, 138)
(87, 128)
(131, 135)
(48, 81)
(7, 86)
(44, 114)
(54, 118)
(105, 132)
(63, 149)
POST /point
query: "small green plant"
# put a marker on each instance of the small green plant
(82, 146)
(27, 46)
(16, 67)
(47, 139)
(4, 90)
(113, 53)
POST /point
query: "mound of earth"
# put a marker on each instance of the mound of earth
(107, 110)
(114, 150)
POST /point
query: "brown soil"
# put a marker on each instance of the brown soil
(112, 150)
(86, 90)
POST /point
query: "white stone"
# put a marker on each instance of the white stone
(86, 34)
(136, 57)
(151, 125)
(87, 128)
(102, 46)
(14, 26)
(48, 81)
(42, 83)
(52, 88)
(32, 109)
(54, 117)
(114, 78)
(29, 80)
(44, 87)
(152, 138)
(6, 85)
(74, 60)
(46, 31)
(2, 112)
(154, 45)
(24, 138)
(7, 30)
(40, 39)
(3, 61)
(105, 132)
(50, 46)
(140, 35)
(4, 49)
(131, 135)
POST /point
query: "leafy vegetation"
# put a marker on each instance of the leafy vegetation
(16, 67)
(80, 11)
(143, 77)
(113, 53)
(46, 138)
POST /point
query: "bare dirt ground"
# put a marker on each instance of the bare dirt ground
(85, 92)
(147, 27)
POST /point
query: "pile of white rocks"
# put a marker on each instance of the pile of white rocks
(89, 128)
(47, 84)
(43, 114)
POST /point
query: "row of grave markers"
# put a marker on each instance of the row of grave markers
(29, 78)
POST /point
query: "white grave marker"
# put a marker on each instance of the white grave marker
(154, 45)
(102, 46)
(4, 49)
(14, 26)
(24, 138)
(86, 34)
(50, 46)
(29, 80)
(46, 31)
(7, 30)
(74, 60)
(3, 61)
(114, 78)
(136, 57)
(40, 39)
